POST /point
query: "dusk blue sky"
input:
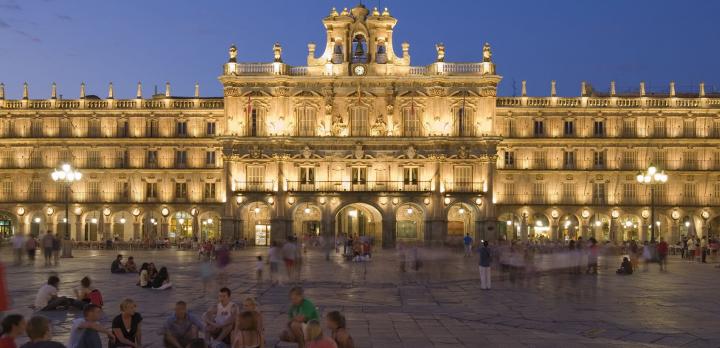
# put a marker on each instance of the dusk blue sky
(154, 41)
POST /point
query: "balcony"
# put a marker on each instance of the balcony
(359, 186)
(268, 186)
(464, 187)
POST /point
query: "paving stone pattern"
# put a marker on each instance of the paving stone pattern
(439, 306)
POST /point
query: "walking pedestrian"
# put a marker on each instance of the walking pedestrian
(484, 266)
(274, 258)
(703, 249)
(47, 247)
(592, 264)
(468, 241)
(18, 243)
(662, 251)
(31, 246)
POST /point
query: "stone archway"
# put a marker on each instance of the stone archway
(180, 226)
(410, 223)
(209, 224)
(122, 226)
(91, 226)
(600, 227)
(359, 220)
(568, 227)
(631, 227)
(307, 220)
(509, 226)
(256, 220)
(461, 221)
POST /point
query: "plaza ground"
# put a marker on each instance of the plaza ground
(439, 306)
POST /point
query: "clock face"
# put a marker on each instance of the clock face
(359, 70)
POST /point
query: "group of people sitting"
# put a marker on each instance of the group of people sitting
(224, 325)
(149, 276)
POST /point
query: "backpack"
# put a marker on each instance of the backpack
(96, 297)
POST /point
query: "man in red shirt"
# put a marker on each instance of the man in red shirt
(662, 250)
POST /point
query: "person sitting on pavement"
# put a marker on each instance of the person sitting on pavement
(126, 326)
(144, 277)
(152, 271)
(117, 265)
(315, 338)
(85, 331)
(249, 305)
(337, 325)
(300, 313)
(38, 331)
(625, 267)
(162, 281)
(47, 298)
(130, 265)
(246, 333)
(13, 326)
(219, 319)
(181, 327)
(83, 292)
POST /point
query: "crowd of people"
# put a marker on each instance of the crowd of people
(224, 325)
(27, 245)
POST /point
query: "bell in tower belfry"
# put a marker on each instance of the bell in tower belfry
(359, 52)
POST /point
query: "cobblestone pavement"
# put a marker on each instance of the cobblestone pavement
(439, 306)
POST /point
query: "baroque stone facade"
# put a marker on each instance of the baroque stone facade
(358, 142)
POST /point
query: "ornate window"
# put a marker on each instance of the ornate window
(464, 121)
(569, 128)
(538, 128)
(462, 178)
(599, 193)
(256, 122)
(410, 122)
(180, 190)
(568, 159)
(151, 190)
(306, 117)
(359, 126)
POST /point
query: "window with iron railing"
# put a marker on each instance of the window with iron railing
(123, 129)
(539, 160)
(210, 158)
(306, 118)
(181, 128)
(36, 190)
(689, 193)
(464, 121)
(462, 178)
(569, 128)
(256, 122)
(152, 128)
(94, 128)
(599, 128)
(65, 128)
(209, 192)
(180, 190)
(36, 128)
(659, 130)
(509, 159)
(93, 191)
(689, 128)
(307, 175)
(359, 122)
(410, 175)
(599, 193)
(538, 128)
(122, 190)
(568, 192)
(410, 122)
(93, 160)
(599, 159)
(629, 129)
(6, 192)
(151, 158)
(151, 190)
(629, 193)
(180, 158)
(359, 175)
(568, 159)
(629, 160)
(210, 128)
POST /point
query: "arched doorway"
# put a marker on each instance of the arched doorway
(568, 227)
(461, 221)
(307, 220)
(181, 226)
(150, 226)
(209, 226)
(687, 227)
(37, 223)
(256, 216)
(91, 231)
(410, 223)
(539, 227)
(509, 226)
(631, 227)
(359, 220)
(600, 227)
(122, 226)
